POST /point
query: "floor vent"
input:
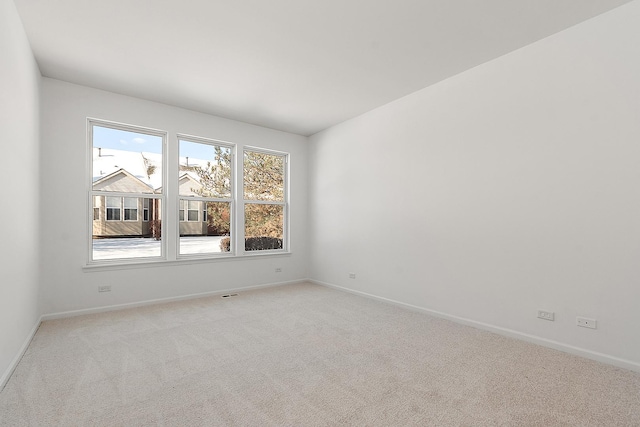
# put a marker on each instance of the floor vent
(229, 295)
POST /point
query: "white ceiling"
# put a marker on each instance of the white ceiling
(294, 65)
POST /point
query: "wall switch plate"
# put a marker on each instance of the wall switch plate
(546, 315)
(104, 288)
(586, 323)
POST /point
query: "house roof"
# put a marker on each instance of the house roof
(114, 182)
(108, 161)
(144, 167)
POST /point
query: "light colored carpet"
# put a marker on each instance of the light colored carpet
(302, 355)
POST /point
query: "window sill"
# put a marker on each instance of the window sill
(153, 263)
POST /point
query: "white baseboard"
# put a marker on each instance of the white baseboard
(600, 357)
(103, 309)
(14, 363)
(593, 355)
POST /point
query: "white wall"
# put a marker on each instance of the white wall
(511, 187)
(19, 172)
(65, 285)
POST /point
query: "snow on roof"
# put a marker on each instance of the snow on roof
(145, 166)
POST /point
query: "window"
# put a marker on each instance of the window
(189, 210)
(205, 185)
(192, 210)
(96, 208)
(264, 200)
(130, 209)
(126, 173)
(225, 205)
(114, 208)
(183, 208)
(145, 210)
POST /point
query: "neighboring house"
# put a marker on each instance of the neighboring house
(193, 213)
(130, 172)
(116, 216)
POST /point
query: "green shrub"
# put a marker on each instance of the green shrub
(253, 243)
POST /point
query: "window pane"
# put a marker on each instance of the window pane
(131, 202)
(113, 214)
(263, 176)
(205, 170)
(130, 214)
(132, 239)
(211, 236)
(264, 227)
(126, 161)
(193, 215)
(113, 202)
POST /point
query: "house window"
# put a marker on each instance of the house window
(130, 209)
(265, 200)
(189, 210)
(127, 173)
(192, 210)
(205, 185)
(145, 210)
(114, 208)
(96, 208)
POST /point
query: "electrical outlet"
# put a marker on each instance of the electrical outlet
(104, 288)
(352, 275)
(586, 323)
(546, 315)
(278, 270)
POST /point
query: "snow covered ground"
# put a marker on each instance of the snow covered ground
(200, 244)
(148, 247)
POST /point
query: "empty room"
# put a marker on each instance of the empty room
(320, 213)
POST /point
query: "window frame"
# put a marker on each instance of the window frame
(204, 200)
(284, 203)
(169, 199)
(163, 135)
